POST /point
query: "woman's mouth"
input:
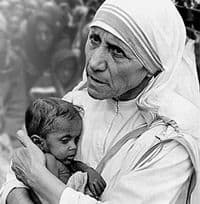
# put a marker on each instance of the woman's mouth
(96, 80)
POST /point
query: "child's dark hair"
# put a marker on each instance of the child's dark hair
(43, 115)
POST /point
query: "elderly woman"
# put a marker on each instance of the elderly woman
(141, 121)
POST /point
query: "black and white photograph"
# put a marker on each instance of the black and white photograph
(99, 101)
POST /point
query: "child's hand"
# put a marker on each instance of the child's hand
(57, 168)
(96, 183)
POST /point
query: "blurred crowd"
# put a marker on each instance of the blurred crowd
(41, 55)
(41, 52)
(190, 11)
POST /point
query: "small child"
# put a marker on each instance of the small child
(55, 126)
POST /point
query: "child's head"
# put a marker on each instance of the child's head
(54, 125)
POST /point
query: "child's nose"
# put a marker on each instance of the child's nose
(72, 145)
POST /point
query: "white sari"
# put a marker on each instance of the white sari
(157, 27)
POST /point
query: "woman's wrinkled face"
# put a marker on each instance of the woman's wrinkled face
(44, 36)
(112, 69)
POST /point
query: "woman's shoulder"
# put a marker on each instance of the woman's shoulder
(77, 96)
(82, 99)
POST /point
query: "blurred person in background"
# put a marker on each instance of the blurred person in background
(30, 7)
(67, 18)
(5, 145)
(12, 86)
(15, 31)
(17, 8)
(72, 15)
(65, 70)
(4, 8)
(42, 33)
(83, 30)
(72, 3)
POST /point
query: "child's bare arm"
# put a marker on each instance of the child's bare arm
(57, 169)
(19, 195)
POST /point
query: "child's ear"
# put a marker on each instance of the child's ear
(40, 142)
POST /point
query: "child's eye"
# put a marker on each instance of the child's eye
(65, 140)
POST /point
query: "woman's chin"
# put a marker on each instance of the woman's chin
(97, 94)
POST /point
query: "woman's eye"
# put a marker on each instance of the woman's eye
(94, 39)
(117, 52)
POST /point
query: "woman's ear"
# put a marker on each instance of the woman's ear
(40, 142)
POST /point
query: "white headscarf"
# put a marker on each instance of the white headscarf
(155, 33)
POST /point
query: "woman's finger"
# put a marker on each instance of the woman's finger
(23, 138)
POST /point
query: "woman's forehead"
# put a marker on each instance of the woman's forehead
(110, 38)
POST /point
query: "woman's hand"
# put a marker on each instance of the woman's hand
(26, 160)
(29, 166)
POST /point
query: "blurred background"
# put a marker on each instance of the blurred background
(42, 54)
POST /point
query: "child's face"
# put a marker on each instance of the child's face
(63, 143)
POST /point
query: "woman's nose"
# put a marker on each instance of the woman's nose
(98, 60)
